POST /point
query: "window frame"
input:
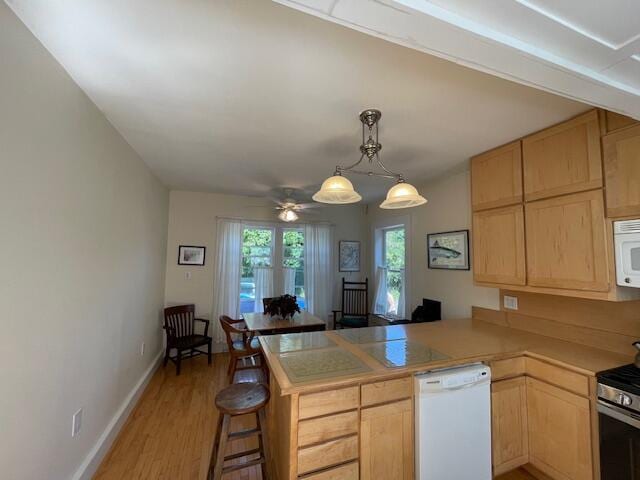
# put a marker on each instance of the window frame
(378, 235)
(277, 252)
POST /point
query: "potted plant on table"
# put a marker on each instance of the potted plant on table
(285, 306)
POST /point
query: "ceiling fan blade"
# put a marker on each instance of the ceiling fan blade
(305, 206)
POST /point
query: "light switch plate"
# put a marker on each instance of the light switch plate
(510, 303)
(76, 423)
(142, 349)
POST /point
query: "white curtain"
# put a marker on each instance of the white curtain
(263, 278)
(380, 304)
(226, 286)
(402, 299)
(318, 269)
(289, 280)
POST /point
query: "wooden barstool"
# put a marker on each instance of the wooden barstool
(240, 399)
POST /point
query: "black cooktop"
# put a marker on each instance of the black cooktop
(625, 378)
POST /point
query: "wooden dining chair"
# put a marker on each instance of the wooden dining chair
(179, 324)
(355, 305)
(244, 352)
(265, 303)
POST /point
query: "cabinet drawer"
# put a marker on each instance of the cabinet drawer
(322, 429)
(332, 401)
(566, 379)
(511, 367)
(327, 454)
(349, 471)
(387, 391)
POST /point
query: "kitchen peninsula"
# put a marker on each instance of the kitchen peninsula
(332, 391)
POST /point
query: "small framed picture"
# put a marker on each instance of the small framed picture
(449, 250)
(190, 255)
(349, 256)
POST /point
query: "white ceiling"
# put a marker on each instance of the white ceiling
(588, 50)
(246, 96)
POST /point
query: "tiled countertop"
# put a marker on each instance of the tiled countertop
(311, 361)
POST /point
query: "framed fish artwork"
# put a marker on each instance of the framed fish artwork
(449, 250)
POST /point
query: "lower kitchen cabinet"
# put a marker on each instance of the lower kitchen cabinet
(510, 442)
(559, 432)
(386, 442)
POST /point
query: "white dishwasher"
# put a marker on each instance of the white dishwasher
(453, 424)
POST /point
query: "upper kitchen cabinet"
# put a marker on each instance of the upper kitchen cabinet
(498, 246)
(622, 172)
(496, 177)
(563, 159)
(566, 242)
(615, 121)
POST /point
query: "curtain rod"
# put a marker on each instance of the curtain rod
(272, 222)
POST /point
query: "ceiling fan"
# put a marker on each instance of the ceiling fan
(289, 207)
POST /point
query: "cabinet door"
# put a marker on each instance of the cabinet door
(566, 242)
(622, 172)
(496, 177)
(386, 442)
(559, 432)
(615, 121)
(498, 246)
(510, 441)
(563, 159)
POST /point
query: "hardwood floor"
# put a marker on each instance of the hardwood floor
(170, 432)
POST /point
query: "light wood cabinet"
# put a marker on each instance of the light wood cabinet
(622, 172)
(566, 242)
(498, 246)
(559, 432)
(496, 177)
(510, 434)
(563, 159)
(386, 442)
(615, 121)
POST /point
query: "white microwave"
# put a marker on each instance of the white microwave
(627, 243)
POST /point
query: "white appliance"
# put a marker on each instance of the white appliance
(453, 424)
(627, 244)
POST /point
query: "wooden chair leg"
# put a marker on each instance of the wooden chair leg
(264, 444)
(216, 442)
(178, 362)
(222, 448)
(166, 356)
(232, 368)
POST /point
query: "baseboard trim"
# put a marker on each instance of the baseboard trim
(92, 461)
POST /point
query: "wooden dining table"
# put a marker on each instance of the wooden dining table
(266, 324)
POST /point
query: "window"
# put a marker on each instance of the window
(264, 246)
(257, 251)
(293, 264)
(393, 254)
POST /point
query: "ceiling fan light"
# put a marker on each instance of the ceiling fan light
(337, 190)
(402, 195)
(288, 215)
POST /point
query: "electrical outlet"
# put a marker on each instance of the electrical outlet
(510, 303)
(76, 423)
(142, 349)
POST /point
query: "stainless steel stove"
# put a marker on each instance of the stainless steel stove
(619, 418)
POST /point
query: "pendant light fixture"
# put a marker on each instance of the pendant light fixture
(339, 190)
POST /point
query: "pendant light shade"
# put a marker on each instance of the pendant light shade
(403, 195)
(337, 190)
(288, 215)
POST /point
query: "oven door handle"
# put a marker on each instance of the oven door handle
(618, 413)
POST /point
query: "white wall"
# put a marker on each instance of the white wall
(448, 209)
(192, 221)
(82, 253)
